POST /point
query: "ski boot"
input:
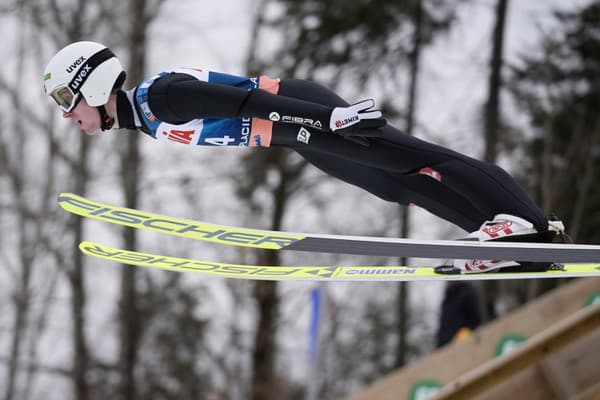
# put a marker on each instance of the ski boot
(505, 227)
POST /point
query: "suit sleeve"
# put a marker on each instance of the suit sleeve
(178, 98)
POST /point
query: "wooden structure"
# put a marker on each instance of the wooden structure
(555, 342)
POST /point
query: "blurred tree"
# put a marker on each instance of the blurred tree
(365, 39)
(259, 168)
(59, 23)
(141, 13)
(12, 154)
(558, 86)
(175, 364)
(50, 20)
(130, 319)
(492, 290)
(347, 45)
(492, 107)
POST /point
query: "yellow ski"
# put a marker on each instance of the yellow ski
(378, 246)
(313, 273)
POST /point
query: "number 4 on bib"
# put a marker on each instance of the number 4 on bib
(219, 141)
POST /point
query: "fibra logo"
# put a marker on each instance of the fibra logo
(301, 121)
(274, 116)
(77, 62)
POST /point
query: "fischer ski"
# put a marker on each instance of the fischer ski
(377, 246)
(316, 273)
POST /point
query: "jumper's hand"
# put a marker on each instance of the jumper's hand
(357, 120)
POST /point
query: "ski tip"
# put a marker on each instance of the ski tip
(66, 196)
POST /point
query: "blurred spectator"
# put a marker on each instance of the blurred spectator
(460, 312)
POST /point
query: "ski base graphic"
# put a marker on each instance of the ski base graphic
(314, 273)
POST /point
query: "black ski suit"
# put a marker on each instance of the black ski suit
(395, 166)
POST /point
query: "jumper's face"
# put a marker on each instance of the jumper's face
(87, 117)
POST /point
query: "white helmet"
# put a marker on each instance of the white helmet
(82, 69)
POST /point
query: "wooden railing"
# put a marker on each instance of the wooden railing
(431, 374)
(496, 372)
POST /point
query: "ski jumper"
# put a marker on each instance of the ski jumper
(199, 107)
